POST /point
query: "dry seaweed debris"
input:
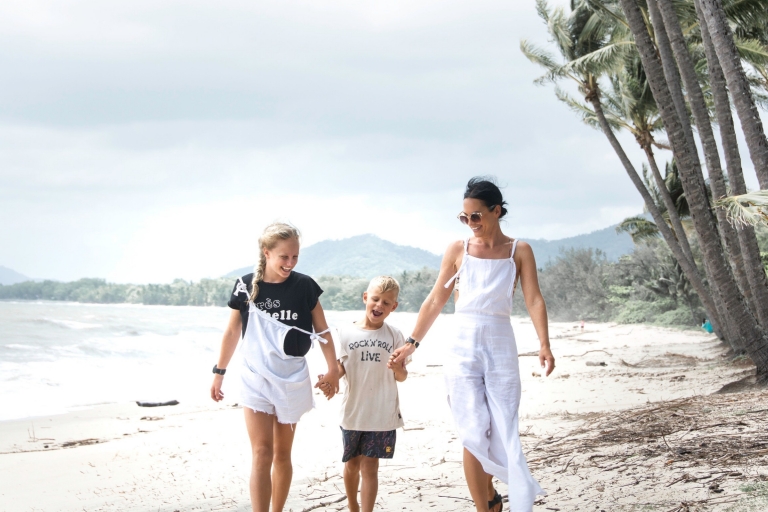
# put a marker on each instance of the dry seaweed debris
(707, 438)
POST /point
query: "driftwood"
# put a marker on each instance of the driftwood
(157, 404)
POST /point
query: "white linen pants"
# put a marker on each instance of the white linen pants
(482, 377)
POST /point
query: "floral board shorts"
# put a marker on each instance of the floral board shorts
(378, 445)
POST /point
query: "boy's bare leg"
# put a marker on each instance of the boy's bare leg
(369, 469)
(259, 426)
(352, 482)
(477, 481)
(282, 468)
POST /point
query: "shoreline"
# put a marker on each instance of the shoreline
(195, 456)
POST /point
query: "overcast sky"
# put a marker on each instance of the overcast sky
(147, 140)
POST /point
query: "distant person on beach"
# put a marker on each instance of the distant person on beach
(707, 325)
(275, 310)
(370, 408)
(482, 374)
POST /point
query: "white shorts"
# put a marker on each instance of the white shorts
(288, 404)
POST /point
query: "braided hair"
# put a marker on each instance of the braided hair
(272, 235)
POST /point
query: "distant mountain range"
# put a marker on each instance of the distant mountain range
(367, 256)
(613, 244)
(359, 256)
(10, 276)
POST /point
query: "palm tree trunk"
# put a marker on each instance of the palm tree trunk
(728, 56)
(755, 340)
(671, 74)
(711, 154)
(675, 90)
(674, 217)
(747, 239)
(689, 268)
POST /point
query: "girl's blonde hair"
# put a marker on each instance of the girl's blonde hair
(272, 235)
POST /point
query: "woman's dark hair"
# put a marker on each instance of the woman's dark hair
(485, 189)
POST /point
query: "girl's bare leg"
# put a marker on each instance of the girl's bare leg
(352, 482)
(477, 481)
(369, 469)
(259, 427)
(282, 468)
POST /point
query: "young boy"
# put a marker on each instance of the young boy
(370, 409)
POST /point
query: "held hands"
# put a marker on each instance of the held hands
(216, 393)
(546, 358)
(399, 355)
(328, 383)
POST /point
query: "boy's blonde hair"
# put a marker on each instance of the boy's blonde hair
(384, 284)
(272, 235)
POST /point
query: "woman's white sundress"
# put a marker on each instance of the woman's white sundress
(482, 374)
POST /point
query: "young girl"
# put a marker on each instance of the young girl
(275, 310)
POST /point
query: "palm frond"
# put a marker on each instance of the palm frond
(542, 9)
(752, 51)
(750, 209)
(584, 111)
(600, 61)
(544, 59)
(639, 228)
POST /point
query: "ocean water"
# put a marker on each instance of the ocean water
(58, 357)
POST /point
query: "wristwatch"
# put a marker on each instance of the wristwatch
(412, 342)
(220, 371)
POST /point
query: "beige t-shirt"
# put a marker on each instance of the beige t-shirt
(370, 401)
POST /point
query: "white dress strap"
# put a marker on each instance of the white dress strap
(461, 267)
(511, 290)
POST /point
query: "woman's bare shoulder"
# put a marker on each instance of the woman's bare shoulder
(453, 252)
(455, 246)
(525, 246)
(524, 251)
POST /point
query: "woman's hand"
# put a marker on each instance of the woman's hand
(400, 355)
(216, 393)
(546, 357)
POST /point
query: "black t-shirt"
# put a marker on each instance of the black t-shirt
(292, 301)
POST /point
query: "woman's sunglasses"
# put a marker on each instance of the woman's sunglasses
(474, 216)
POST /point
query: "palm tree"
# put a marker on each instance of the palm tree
(590, 47)
(755, 341)
(630, 103)
(723, 44)
(640, 228)
(755, 289)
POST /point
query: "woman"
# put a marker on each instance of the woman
(482, 373)
(275, 310)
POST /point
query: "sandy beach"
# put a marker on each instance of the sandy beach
(630, 420)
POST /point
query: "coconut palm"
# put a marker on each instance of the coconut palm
(723, 44)
(640, 228)
(748, 271)
(590, 46)
(755, 341)
(629, 104)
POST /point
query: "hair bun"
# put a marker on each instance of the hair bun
(485, 189)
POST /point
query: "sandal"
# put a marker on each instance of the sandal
(497, 500)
